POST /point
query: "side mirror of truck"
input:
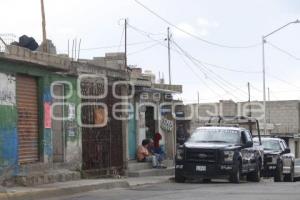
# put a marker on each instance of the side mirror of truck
(248, 144)
(287, 150)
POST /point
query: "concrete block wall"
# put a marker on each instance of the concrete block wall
(284, 116)
(114, 61)
(228, 108)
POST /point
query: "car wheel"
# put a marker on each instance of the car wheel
(290, 177)
(179, 178)
(236, 173)
(206, 180)
(279, 173)
(255, 176)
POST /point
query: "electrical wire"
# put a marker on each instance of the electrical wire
(214, 81)
(123, 31)
(144, 49)
(199, 77)
(193, 35)
(115, 46)
(283, 51)
(282, 80)
(145, 33)
(255, 88)
(220, 85)
(231, 69)
(203, 67)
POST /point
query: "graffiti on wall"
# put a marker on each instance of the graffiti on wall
(167, 125)
(7, 89)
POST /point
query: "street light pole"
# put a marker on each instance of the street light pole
(264, 67)
(264, 83)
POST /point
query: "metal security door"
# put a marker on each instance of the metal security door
(102, 147)
(28, 118)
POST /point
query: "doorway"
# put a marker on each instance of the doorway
(150, 122)
(57, 124)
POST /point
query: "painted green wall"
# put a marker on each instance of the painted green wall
(8, 115)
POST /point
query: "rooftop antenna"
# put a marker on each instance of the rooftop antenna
(75, 48)
(68, 48)
(79, 48)
(72, 50)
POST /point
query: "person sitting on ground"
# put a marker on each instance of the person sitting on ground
(157, 149)
(143, 154)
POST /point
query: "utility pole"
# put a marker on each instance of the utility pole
(264, 67)
(169, 55)
(125, 44)
(198, 106)
(249, 100)
(269, 106)
(264, 83)
(45, 45)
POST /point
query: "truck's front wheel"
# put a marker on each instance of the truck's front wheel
(255, 175)
(179, 178)
(279, 173)
(236, 173)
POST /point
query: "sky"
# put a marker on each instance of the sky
(214, 70)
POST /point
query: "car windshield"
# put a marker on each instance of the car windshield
(216, 135)
(271, 145)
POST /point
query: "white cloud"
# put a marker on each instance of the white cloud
(202, 22)
(200, 27)
(186, 27)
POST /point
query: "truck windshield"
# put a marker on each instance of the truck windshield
(271, 145)
(216, 135)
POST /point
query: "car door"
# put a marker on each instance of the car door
(288, 158)
(246, 151)
(297, 168)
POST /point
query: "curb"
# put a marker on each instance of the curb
(169, 180)
(49, 193)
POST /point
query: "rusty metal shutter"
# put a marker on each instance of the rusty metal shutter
(27, 105)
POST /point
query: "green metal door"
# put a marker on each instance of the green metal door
(132, 137)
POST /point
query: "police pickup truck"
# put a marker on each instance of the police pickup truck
(219, 152)
(279, 162)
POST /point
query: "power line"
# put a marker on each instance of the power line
(203, 71)
(115, 46)
(282, 80)
(201, 65)
(283, 51)
(144, 49)
(255, 88)
(199, 77)
(120, 44)
(193, 35)
(185, 54)
(231, 69)
(145, 33)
